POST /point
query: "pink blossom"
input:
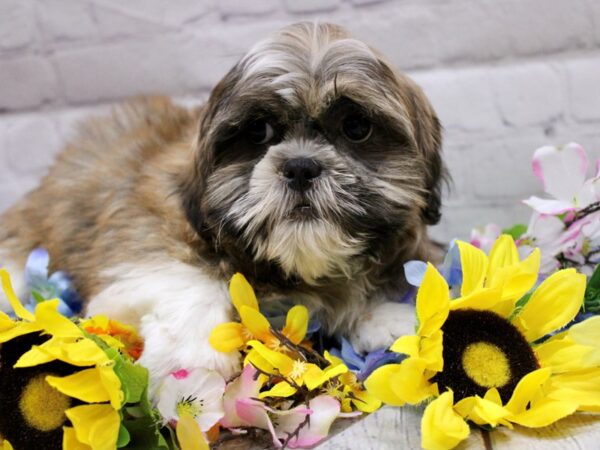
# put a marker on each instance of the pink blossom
(243, 408)
(562, 171)
(484, 237)
(300, 427)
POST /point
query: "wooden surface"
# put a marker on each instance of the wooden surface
(399, 429)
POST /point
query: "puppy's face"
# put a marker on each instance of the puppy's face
(312, 151)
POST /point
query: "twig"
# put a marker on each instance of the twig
(590, 209)
(306, 354)
(296, 432)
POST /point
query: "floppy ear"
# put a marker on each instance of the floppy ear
(428, 133)
(193, 182)
(428, 136)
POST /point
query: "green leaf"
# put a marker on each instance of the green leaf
(39, 298)
(134, 380)
(516, 231)
(145, 435)
(591, 300)
(520, 305)
(124, 437)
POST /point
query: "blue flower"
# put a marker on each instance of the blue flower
(450, 269)
(363, 366)
(42, 287)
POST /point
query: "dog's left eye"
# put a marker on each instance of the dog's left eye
(357, 128)
(260, 132)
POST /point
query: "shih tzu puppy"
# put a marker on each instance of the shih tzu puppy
(313, 169)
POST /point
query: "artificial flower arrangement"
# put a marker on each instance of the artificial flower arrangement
(506, 334)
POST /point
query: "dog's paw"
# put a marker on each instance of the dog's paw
(169, 348)
(382, 326)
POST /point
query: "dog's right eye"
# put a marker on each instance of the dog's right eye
(260, 132)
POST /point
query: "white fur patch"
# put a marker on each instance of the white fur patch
(312, 249)
(18, 282)
(176, 306)
(382, 325)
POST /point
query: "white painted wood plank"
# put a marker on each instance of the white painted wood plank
(390, 429)
(577, 432)
(399, 429)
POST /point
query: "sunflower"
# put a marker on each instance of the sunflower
(65, 378)
(481, 357)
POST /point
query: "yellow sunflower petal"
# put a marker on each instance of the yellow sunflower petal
(518, 279)
(95, 425)
(481, 411)
(296, 324)
(526, 390)
(588, 333)
(84, 385)
(6, 323)
(544, 412)
(441, 427)
(55, 323)
(37, 355)
(562, 355)
(410, 383)
(431, 352)
(281, 389)
(504, 253)
(6, 445)
(433, 302)
(489, 299)
(112, 385)
(70, 441)
(407, 345)
(553, 304)
(189, 435)
(581, 387)
(227, 337)
(19, 329)
(474, 265)
(12, 298)
(83, 352)
(256, 323)
(492, 395)
(242, 293)
(379, 385)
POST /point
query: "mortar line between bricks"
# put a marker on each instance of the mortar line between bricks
(61, 104)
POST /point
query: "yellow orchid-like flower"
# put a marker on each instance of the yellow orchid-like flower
(232, 336)
(478, 356)
(295, 371)
(349, 391)
(92, 378)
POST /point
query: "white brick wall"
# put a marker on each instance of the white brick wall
(505, 76)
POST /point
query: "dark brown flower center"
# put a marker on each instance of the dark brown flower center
(482, 350)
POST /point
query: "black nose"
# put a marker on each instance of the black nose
(299, 172)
